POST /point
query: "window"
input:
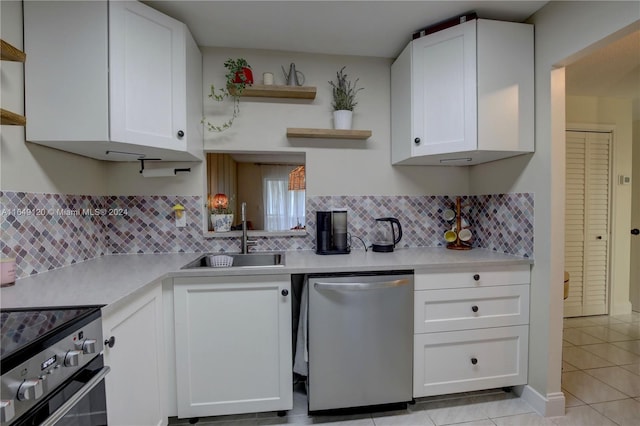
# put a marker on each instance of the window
(284, 209)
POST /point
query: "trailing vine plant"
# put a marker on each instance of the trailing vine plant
(236, 83)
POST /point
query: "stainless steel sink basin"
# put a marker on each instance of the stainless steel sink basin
(249, 260)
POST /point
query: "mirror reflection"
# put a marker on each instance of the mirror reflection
(272, 184)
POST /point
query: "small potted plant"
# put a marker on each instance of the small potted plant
(344, 99)
(238, 76)
(221, 213)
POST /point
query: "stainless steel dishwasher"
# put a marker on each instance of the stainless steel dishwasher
(360, 339)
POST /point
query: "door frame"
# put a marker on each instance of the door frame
(604, 128)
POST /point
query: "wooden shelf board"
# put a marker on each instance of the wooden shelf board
(10, 53)
(272, 91)
(293, 132)
(11, 118)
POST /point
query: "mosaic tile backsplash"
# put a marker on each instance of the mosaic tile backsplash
(49, 231)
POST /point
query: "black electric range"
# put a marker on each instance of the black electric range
(46, 356)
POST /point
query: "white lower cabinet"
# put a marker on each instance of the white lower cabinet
(471, 330)
(136, 385)
(233, 344)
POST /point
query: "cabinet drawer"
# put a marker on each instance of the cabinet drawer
(460, 361)
(467, 308)
(479, 277)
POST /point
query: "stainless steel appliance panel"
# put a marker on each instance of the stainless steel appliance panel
(360, 340)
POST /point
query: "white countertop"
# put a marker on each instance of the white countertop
(112, 278)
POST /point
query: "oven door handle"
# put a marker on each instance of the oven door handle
(350, 286)
(71, 402)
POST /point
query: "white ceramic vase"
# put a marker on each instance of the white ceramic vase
(221, 222)
(342, 119)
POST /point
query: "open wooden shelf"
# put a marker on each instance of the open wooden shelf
(11, 118)
(293, 132)
(272, 91)
(10, 53)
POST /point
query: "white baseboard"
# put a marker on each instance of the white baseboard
(624, 308)
(550, 406)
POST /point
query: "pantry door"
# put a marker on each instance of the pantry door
(587, 222)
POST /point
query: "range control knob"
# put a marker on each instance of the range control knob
(72, 358)
(87, 346)
(7, 410)
(30, 389)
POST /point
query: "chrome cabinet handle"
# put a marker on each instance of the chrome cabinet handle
(359, 286)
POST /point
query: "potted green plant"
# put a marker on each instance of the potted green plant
(221, 213)
(238, 77)
(344, 99)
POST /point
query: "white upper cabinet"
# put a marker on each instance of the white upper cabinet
(112, 80)
(464, 95)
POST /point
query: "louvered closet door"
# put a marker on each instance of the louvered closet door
(587, 222)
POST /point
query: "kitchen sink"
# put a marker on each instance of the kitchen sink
(249, 260)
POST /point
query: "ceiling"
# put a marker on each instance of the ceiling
(382, 29)
(612, 71)
(357, 27)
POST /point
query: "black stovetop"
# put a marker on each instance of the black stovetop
(21, 328)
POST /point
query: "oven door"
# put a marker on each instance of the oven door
(81, 401)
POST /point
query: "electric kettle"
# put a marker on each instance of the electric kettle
(385, 234)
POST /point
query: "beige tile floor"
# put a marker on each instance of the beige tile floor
(600, 379)
(601, 369)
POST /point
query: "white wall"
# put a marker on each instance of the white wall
(29, 167)
(338, 167)
(334, 167)
(564, 31)
(634, 280)
(585, 111)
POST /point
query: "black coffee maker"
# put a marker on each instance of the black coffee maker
(331, 232)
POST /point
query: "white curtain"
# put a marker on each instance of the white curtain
(283, 209)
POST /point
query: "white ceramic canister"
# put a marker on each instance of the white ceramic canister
(7, 272)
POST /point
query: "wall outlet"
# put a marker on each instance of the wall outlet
(181, 221)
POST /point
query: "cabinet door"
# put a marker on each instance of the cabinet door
(444, 95)
(136, 384)
(147, 76)
(233, 345)
(462, 361)
(478, 277)
(470, 308)
(66, 73)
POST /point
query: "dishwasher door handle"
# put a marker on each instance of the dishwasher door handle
(355, 286)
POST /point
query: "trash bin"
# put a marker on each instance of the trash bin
(566, 284)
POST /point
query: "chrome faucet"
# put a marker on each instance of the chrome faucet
(246, 242)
